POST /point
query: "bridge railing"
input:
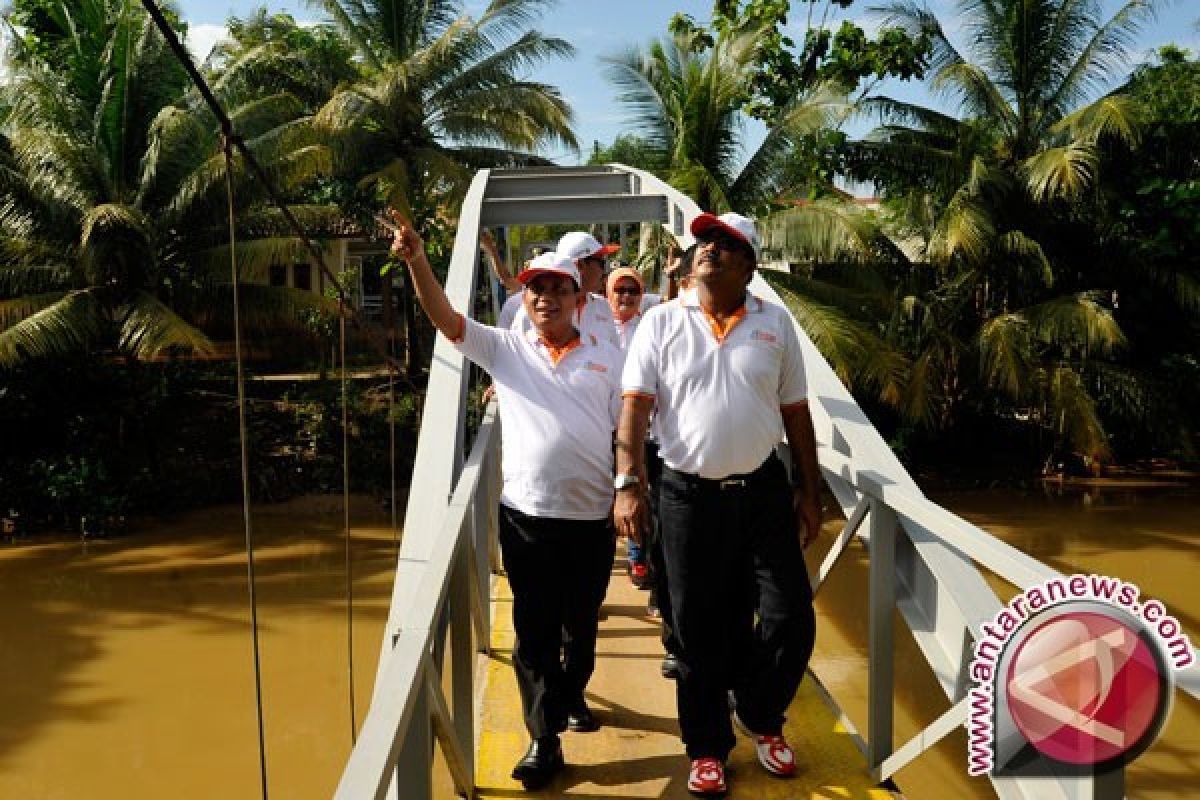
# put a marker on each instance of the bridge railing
(922, 557)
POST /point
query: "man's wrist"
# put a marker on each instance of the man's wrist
(626, 480)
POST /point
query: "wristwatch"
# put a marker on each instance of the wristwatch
(625, 481)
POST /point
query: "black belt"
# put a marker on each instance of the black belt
(730, 482)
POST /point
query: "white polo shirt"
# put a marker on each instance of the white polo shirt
(508, 311)
(595, 319)
(719, 393)
(626, 329)
(558, 412)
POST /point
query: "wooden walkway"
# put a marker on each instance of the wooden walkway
(637, 752)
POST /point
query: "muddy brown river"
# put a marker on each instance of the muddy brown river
(126, 672)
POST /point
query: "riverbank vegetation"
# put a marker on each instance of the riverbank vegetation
(1023, 285)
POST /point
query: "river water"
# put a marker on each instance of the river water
(126, 666)
(1148, 537)
(126, 671)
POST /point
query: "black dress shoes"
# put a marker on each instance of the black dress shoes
(581, 720)
(542, 760)
(670, 667)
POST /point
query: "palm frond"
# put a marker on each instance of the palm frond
(1116, 116)
(1099, 61)
(1060, 173)
(1075, 414)
(824, 231)
(65, 327)
(1027, 255)
(1006, 356)
(834, 334)
(148, 328)
(965, 229)
(1076, 320)
(16, 309)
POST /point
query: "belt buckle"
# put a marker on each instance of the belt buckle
(733, 483)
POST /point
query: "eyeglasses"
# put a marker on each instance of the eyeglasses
(627, 290)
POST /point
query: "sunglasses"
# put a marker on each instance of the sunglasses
(627, 290)
(725, 241)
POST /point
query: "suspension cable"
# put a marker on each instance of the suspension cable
(227, 138)
(349, 569)
(392, 434)
(248, 158)
(229, 142)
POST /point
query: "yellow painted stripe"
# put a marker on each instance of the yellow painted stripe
(637, 753)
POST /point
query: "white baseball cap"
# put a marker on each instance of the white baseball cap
(581, 244)
(734, 224)
(551, 263)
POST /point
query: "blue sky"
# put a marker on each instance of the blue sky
(604, 27)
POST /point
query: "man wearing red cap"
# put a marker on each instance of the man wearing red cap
(559, 397)
(725, 369)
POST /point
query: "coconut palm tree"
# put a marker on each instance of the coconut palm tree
(112, 198)
(268, 53)
(443, 94)
(1001, 310)
(685, 97)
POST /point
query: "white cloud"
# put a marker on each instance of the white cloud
(201, 39)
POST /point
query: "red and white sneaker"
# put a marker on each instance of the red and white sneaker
(774, 753)
(707, 777)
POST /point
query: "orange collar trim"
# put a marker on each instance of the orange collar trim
(721, 330)
(557, 354)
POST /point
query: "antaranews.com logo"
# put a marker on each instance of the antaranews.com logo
(1075, 673)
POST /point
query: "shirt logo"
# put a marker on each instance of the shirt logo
(594, 367)
(764, 336)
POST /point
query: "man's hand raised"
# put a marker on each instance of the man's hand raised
(406, 242)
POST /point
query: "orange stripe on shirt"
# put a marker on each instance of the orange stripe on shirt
(557, 354)
(721, 330)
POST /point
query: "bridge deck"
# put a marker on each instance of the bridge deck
(637, 752)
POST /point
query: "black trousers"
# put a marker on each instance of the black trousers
(656, 564)
(558, 570)
(731, 551)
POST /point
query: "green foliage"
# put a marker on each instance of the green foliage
(847, 57)
(1020, 303)
(631, 150)
(267, 54)
(112, 207)
(442, 93)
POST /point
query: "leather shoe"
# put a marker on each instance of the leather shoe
(581, 720)
(670, 667)
(541, 761)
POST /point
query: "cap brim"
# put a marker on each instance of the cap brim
(529, 274)
(607, 250)
(706, 222)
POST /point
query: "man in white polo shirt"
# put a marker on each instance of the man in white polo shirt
(559, 397)
(590, 257)
(726, 371)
